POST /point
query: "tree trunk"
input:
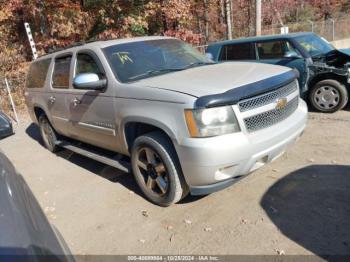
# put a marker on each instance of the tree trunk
(206, 19)
(258, 18)
(165, 24)
(228, 19)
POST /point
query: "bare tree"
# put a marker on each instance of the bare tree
(258, 18)
(206, 19)
(228, 19)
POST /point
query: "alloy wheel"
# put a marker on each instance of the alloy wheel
(153, 170)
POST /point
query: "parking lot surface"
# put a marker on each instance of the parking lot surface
(300, 204)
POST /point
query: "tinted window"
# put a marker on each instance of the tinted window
(37, 73)
(137, 60)
(86, 64)
(274, 49)
(60, 77)
(238, 52)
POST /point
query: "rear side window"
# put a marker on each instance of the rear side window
(37, 73)
(244, 51)
(60, 76)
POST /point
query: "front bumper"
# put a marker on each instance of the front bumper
(211, 164)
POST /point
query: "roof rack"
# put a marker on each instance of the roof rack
(54, 50)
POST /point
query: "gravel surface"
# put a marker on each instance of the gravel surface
(300, 204)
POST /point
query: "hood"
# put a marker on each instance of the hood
(336, 58)
(345, 51)
(213, 79)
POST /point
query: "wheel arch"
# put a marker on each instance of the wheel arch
(134, 127)
(38, 111)
(327, 76)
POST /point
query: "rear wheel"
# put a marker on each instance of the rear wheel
(48, 134)
(328, 96)
(156, 169)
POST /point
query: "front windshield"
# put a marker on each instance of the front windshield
(138, 60)
(314, 44)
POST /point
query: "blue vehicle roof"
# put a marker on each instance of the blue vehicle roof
(261, 38)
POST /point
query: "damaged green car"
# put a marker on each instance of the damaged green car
(324, 70)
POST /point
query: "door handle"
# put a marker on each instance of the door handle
(76, 101)
(52, 99)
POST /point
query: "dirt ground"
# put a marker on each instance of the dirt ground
(300, 204)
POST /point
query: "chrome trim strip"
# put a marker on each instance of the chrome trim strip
(105, 130)
(60, 118)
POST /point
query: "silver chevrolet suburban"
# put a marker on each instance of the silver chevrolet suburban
(156, 107)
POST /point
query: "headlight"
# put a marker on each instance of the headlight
(211, 121)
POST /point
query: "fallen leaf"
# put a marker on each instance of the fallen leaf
(188, 222)
(171, 239)
(145, 213)
(169, 227)
(280, 252)
(274, 170)
(244, 221)
(208, 229)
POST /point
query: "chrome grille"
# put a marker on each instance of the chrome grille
(269, 118)
(267, 98)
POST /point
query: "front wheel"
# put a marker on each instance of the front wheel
(328, 96)
(157, 170)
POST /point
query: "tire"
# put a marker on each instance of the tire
(159, 176)
(48, 134)
(328, 96)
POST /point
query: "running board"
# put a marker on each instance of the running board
(95, 155)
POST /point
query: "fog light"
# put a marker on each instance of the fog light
(263, 160)
(259, 163)
(225, 172)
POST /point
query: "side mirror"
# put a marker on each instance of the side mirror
(292, 55)
(90, 81)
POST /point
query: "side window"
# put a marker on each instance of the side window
(238, 52)
(37, 73)
(86, 64)
(274, 49)
(60, 77)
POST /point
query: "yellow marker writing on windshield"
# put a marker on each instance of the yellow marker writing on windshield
(124, 57)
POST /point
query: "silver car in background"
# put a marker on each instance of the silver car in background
(185, 123)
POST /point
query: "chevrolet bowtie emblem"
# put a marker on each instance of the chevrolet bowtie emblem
(281, 103)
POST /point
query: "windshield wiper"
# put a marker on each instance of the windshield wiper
(154, 72)
(157, 71)
(194, 64)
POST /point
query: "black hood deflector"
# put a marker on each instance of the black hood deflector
(233, 96)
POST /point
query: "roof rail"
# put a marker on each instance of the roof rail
(54, 50)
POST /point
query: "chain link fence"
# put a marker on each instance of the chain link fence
(331, 29)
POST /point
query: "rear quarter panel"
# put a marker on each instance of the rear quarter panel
(37, 97)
